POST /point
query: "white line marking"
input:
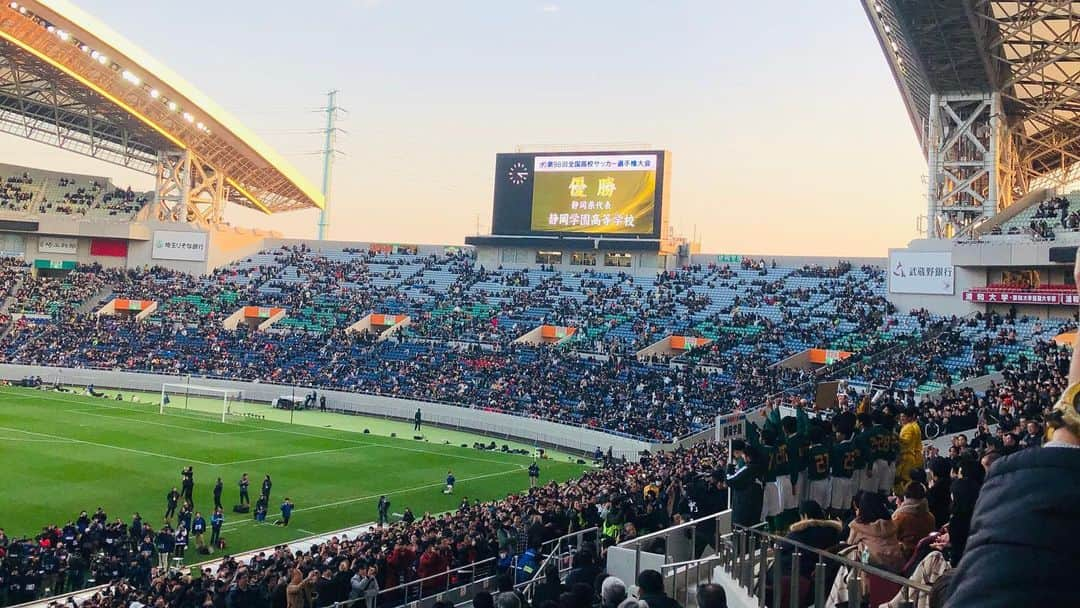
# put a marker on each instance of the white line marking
(140, 421)
(346, 501)
(26, 439)
(106, 445)
(392, 445)
(298, 455)
(84, 400)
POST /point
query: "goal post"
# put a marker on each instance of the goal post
(197, 399)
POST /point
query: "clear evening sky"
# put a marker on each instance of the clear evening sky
(787, 132)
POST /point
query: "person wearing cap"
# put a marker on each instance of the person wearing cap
(1024, 546)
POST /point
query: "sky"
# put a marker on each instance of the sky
(786, 130)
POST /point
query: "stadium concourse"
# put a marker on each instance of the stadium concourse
(459, 350)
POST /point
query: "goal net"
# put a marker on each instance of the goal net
(207, 401)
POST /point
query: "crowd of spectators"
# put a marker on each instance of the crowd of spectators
(57, 296)
(457, 348)
(622, 500)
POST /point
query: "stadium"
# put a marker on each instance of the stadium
(577, 409)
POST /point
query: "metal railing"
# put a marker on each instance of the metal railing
(678, 543)
(481, 573)
(752, 558)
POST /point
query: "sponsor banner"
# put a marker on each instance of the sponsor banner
(58, 244)
(114, 248)
(55, 264)
(921, 273)
(184, 246)
(724, 258)
(12, 245)
(1043, 298)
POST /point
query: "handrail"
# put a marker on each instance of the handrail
(874, 570)
(667, 531)
(470, 568)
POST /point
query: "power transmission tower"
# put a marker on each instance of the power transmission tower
(328, 153)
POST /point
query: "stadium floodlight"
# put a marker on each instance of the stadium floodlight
(132, 78)
(188, 117)
(102, 59)
(154, 94)
(14, 5)
(172, 106)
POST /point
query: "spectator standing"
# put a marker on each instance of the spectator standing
(244, 484)
(384, 510)
(911, 454)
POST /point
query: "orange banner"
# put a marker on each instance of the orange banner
(386, 320)
(126, 304)
(260, 312)
(822, 356)
(687, 342)
(554, 332)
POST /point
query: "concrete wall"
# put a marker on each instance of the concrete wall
(493, 424)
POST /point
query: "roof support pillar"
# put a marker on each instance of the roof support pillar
(189, 189)
(968, 155)
(173, 185)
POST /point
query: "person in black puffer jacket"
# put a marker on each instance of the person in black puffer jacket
(1024, 547)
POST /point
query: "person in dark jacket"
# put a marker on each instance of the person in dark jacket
(1023, 548)
(814, 530)
(965, 492)
(584, 568)
(745, 486)
(651, 590)
(938, 495)
(550, 589)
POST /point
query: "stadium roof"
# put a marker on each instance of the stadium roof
(1029, 52)
(70, 81)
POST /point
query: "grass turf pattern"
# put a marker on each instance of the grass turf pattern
(63, 453)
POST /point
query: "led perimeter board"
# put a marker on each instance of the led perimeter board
(613, 194)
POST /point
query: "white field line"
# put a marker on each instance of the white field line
(29, 440)
(390, 445)
(92, 412)
(83, 400)
(297, 455)
(106, 445)
(338, 503)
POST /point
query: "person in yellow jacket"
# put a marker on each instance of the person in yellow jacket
(911, 454)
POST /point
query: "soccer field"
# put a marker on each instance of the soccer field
(61, 454)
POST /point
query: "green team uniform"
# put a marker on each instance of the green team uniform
(880, 442)
(846, 458)
(817, 462)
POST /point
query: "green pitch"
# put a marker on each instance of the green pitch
(63, 453)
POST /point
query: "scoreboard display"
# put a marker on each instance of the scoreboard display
(588, 193)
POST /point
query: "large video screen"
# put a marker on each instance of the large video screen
(594, 194)
(601, 193)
